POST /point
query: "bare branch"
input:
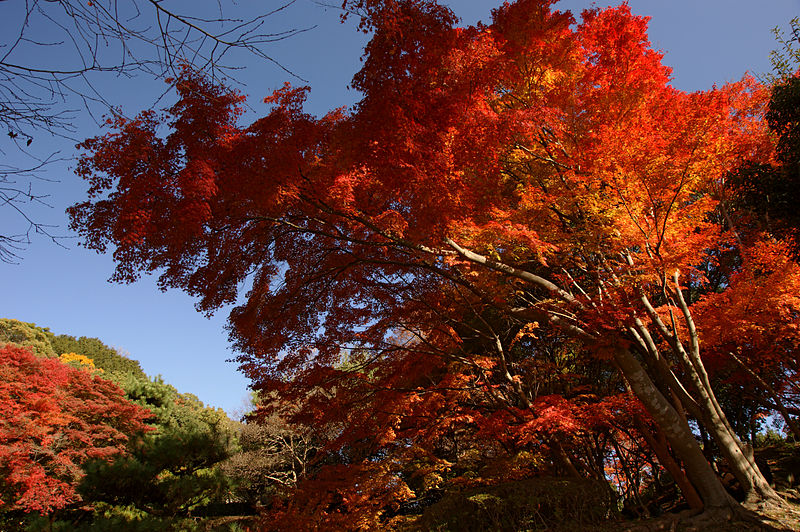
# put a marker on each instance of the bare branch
(510, 270)
(41, 92)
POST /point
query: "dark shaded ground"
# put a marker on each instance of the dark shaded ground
(563, 505)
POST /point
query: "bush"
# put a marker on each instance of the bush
(532, 504)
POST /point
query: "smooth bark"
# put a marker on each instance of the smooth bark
(673, 468)
(676, 431)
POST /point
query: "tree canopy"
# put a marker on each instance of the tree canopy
(53, 419)
(497, 187)
(20, 333)
(114, 364)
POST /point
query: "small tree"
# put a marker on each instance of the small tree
(53, 419)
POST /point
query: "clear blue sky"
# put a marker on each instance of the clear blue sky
(704, 41)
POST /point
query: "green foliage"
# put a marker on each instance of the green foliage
(27, 334)
(104, 357)
(783, 118)
(157, 480)
(173, 471)
(173, 410)
(770, 191)
(768, 438)
(533, 504)
(109, 518)
(786, 59)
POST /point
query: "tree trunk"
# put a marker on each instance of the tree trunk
(676, 431)
(742, 466)
(662, 453)
(563, 458)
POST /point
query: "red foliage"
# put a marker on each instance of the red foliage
(340, 497)
(524, 141)
(491, 179)
(53, 418)
(411, 426)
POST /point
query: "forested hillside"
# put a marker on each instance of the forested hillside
(88, 441)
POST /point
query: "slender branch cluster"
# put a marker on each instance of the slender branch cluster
(54, 64)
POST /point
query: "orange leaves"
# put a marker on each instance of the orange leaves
(553, 414)
(756, 316)
(517, 241)
(392, 222)
(527, 331)
(616, 45)
(572, 418)
(340, 498)
(491, 176)
(80, 361)
(288, 97)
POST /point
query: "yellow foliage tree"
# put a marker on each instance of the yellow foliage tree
(74, 359)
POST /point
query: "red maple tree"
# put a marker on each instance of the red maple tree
(532, 173)
(53, 418)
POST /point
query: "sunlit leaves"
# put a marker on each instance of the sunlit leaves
(53, 418)
(395, 255)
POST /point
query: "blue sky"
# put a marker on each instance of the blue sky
(66, 288)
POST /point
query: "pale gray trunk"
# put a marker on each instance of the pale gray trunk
(676, 430)
(712, 415)
(742, 465)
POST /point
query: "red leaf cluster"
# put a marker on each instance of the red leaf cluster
(53, 418)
